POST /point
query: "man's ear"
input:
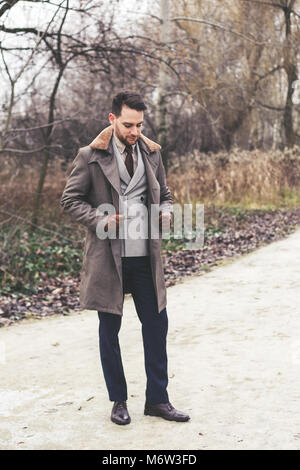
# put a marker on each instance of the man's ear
(111, 118)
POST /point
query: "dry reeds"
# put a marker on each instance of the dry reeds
(239, 176)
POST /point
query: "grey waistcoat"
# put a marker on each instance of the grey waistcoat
(133, 205)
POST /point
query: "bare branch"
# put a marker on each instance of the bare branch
(36, 225)
(146, 14)
(272, 108)
(275, 5)
(30, 151)
(45, 125)
(295, 13)
(7, 6)
(270, 72)
(219, 26)
(16, 48)
(59, 33)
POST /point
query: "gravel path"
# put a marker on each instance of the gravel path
(234, 357)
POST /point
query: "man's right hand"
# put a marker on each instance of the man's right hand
(114, 222)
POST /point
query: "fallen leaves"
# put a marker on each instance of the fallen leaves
(53, 296)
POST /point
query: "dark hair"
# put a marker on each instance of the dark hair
(127, 98)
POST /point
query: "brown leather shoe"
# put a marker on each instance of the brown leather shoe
(119, 413)
(166, 411)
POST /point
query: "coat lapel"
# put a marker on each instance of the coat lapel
(108, 164)
(150, 168)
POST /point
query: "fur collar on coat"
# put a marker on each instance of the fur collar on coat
(102, 140)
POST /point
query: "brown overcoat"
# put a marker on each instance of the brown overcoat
(95, 180)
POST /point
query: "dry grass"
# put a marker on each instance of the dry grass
(248, 178)
(253, 179)
(18, 190)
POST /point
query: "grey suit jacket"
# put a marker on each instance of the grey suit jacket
(133, 205)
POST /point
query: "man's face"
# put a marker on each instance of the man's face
(128, 126)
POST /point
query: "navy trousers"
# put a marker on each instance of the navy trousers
(137, 277)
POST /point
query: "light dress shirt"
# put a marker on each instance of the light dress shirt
(121, 148)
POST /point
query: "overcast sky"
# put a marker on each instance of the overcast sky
(29, 13)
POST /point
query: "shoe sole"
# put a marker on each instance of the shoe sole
(178, 420)
(120, 422)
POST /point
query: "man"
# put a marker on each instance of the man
(119, 171)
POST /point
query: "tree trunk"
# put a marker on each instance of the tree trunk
(48, 140)
(163, 86)
(290, 68)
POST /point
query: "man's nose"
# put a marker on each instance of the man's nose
(135, 131)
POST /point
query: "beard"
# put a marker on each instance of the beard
(125, 140)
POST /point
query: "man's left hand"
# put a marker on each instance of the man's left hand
(164, 220)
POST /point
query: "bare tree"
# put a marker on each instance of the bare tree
(13, 79)
(236, 78)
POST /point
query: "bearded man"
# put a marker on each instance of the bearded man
(120, 170)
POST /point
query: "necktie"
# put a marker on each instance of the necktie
(129, 159)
